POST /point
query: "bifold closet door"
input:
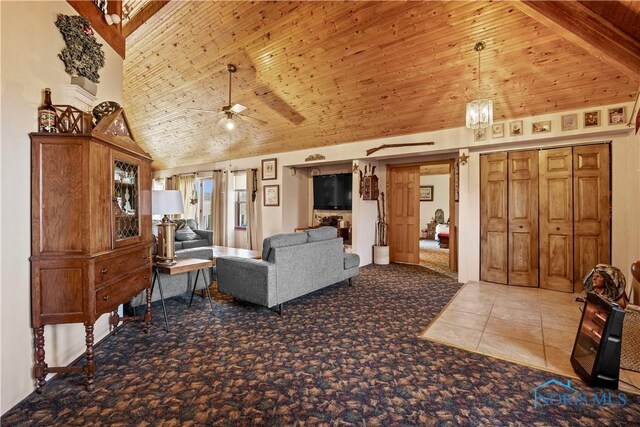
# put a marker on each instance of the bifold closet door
(493, 218)
(556, 219)
(523, 218)
(591, 209)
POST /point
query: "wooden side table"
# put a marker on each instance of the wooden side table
(182, 265)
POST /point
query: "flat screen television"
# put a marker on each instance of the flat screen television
(332, 192)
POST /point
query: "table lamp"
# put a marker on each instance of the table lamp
(166, 202)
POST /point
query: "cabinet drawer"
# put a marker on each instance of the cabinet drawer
(121, 291)
(110, 268)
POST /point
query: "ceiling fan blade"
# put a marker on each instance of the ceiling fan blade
(205, 111)
(238, 108)
(250, 119)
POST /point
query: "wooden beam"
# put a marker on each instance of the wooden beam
(143, 16)
(586, 29)
(110, 33)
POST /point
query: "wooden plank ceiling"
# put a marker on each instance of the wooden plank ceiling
(323, 73)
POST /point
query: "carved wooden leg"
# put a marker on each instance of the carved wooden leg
(40, 370)
(90, 367)
(147, 313)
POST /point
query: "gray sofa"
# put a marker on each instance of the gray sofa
(179, 284)
(185, 240)
(292, 265)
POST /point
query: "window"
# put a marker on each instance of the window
(241, 209)
(204, 190)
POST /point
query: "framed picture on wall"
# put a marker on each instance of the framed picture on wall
(617, 116)
(269, 169)
(497, 130)
(271, 195)
(426, 193)
(515, 128)
(569, 122)
(592, 119)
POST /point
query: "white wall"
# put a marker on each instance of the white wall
(448, 143)
(29, 63)
(440, 198)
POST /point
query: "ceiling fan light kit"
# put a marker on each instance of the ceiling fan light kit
(232, 111)
(479, 111)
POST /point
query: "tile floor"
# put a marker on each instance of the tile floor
(535, 327)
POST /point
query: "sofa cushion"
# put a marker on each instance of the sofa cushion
(192, 224)
(186, 233)
(195, 243)
(322, 233)
(177, 245)
(280, 240)
(351, 260)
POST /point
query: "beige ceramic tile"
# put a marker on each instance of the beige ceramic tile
(493, 288)
(469, 306)
(550, 321)
(555, 297)
(559, 361)
(523, 302)
(513, 349)
(522, 291)
(629, 379)
(476, 296)
(521, 331)
(562, 340)
(530, 316)
(466, 320)
(455, 335)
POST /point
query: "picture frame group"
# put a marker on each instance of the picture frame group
(568, 122)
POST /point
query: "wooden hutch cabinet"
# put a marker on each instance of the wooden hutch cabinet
(90, 231)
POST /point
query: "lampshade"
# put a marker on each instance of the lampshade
(480, 113)
(167, 202)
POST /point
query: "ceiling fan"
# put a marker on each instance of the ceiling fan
(234, 111)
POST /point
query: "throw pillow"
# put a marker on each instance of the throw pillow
(180, 223)
(186, 233)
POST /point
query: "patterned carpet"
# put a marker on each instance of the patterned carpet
(435, 258)
(343, 355)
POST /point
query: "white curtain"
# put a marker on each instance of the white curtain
(186, 185)
(219, 209)
(252, 218)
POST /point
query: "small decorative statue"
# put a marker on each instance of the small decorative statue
(83, 55)
(607, 281)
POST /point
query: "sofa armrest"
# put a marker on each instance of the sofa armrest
(205, 234)
(250, 280)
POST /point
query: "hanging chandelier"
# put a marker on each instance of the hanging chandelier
(479, 111)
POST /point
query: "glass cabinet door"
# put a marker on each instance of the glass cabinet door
(125, 202)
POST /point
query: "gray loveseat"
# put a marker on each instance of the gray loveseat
(292, 265)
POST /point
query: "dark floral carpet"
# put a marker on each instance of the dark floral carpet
(341, 356)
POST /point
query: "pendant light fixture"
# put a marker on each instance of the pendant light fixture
(479, 111)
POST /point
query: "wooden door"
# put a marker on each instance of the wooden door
(523, 218)
(493, 218)
(556, 219)
(591, 209)
(404, 214)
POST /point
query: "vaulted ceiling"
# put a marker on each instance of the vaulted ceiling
(323, 73)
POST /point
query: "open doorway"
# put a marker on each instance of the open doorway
(435, 217)
(422, 213)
